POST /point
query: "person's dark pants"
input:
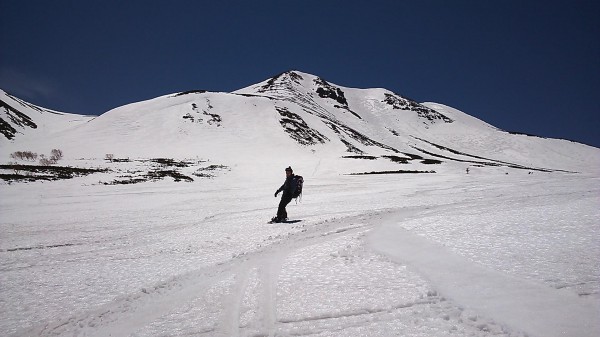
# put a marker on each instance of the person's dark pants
(281, 212)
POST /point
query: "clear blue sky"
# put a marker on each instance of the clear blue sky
(527, 66)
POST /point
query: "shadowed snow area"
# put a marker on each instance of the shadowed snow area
(429, 255)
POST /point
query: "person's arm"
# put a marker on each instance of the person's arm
(279, 190)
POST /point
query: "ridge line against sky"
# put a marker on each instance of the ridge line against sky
(524, 66)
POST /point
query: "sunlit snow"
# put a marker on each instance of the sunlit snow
(508, 249)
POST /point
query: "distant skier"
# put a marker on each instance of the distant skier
(289, 191)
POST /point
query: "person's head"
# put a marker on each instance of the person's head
(289, 171)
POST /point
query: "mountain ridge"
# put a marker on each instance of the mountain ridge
(293, 117)
(19, 117)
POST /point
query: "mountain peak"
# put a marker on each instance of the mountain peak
(283, 80)
(287, 81)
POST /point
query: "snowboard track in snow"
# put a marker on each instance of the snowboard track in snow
(261, 289)
(126, 314)
(255, 274)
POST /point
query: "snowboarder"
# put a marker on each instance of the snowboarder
(288, 188)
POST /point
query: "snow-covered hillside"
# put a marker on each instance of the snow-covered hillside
(20, 119)
(301, 117)
(154, 222)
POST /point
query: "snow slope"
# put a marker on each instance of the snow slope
(441, 255)
(510, 249)
(20, 119)
(300, 116)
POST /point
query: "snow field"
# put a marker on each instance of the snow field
(198, 258)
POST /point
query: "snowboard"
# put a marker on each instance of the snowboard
(284, 221)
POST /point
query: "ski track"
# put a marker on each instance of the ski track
(254, 292)
(549, 311)
(136, 314)
(127, 315)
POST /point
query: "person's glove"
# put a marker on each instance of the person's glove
(276, 192)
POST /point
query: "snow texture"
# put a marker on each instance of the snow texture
(136, 249)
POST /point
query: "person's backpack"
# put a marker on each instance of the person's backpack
(299, 184)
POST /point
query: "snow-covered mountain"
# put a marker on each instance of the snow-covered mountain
(496, 252)
(19, 119)
(292, 117)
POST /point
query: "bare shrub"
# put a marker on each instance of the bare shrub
(24, 155)
(16, 155)
(109, 157)
(56, 154)
(44, 161)
(47, 161)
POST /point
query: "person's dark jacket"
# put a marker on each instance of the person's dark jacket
(289, 186)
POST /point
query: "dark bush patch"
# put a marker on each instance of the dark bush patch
(397, 159)
(22, 178)
(44, 172)
(190, 92)
(203, 171)
(361, 157)
(165, 168)
(213, 168)
(203, 175)
(390, 172)
(127, 181)
(431, 161)
(161, 174)
(171, 162)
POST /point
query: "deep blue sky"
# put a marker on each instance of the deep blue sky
(527, 66)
